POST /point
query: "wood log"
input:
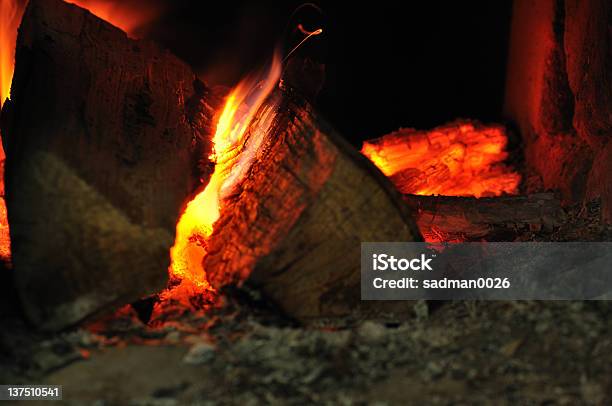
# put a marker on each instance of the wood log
(298, 217)
(103, 136)
(445, 218)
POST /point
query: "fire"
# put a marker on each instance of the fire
(129, 16)
(125, 15)
(234, 148)
(10, 16)
(459, 159)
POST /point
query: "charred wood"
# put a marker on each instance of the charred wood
(444, 218)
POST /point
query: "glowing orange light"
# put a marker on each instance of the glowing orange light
(128, 16)
(10, 16)
(124, 15)
(232, 155)
(459, 159)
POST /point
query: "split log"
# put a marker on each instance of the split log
(444, 218)
(102, 137)
(299, 216)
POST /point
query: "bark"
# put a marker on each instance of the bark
(103, 136)
(444, 218)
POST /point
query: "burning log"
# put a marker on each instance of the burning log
(102, 135)
(299, 215)
(445, 218)
(115, 150)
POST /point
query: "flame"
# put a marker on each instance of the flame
(234, 149)
(460, 159)
(127, 16)
(10, 16)
(11, 12)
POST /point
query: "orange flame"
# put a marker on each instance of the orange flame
(10, 16)
(234, 149)
(460, 159)
(125, 15)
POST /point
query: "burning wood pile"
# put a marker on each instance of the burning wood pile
(128, 176)
(96, 183)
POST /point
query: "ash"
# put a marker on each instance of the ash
(242, 350)
(243, 353)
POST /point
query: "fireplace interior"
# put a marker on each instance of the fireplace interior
(186, 188)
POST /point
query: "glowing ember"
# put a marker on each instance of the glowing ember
(234, 149)
(459, 159)
(5, 239)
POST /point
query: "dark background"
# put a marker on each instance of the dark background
(389, 64)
